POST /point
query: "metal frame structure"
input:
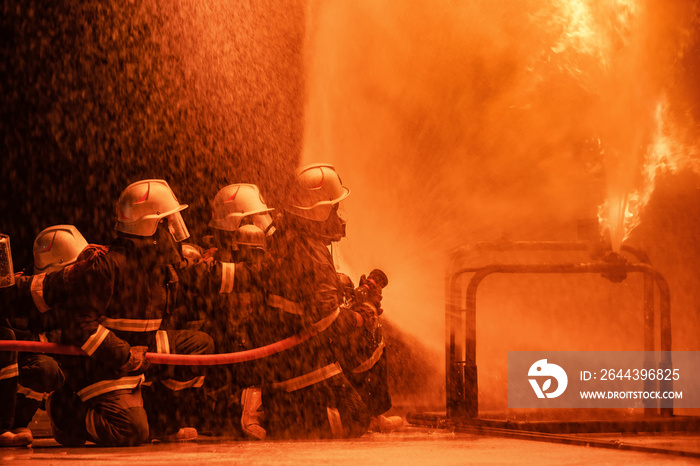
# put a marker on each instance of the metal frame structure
(460, 358)
(462, 409)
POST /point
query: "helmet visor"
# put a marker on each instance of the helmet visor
(177, 227)
(261, 220)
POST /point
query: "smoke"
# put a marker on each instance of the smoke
(460, 122)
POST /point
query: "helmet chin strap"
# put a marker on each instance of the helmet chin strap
(270, 228)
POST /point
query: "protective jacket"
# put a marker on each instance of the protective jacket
(111, 299)
(304, 291)
(104, 303)
(305, 392)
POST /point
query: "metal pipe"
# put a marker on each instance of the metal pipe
(534, 246)
(468, 405)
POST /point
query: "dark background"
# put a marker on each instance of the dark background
(99, 94)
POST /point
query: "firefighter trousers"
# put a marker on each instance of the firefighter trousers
(24, 384)
(327, 409)
(113, 419)
(172, 394)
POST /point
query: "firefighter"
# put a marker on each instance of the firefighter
(39, 374)
(305, 393)
(111, 303)
(364, 357)
(240, 220)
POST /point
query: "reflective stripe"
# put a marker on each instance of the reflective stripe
(31, 394)
(326, 322)
(95, 340)
(90, 424)
(176, 385)
(285, 305)
(319, 375)
(106, 386)
(162, 342)
(37, 292)
(367, 365)
(336, 422)
(228, 273)
(9, 371)
(131, 325)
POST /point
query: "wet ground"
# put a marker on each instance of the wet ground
(412, 445)
(415, 446)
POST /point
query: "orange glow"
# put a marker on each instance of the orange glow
(460, 122)
(666, 153)
(599, 42)
(593, 29)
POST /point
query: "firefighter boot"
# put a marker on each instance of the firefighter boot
(253, 415)
(385, 424)
(185, 434)
(17, 438)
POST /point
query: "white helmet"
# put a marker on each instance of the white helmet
(57, 246)
(318, 188)
(235, 202)
(142, 205)
(191, 251)
(250, 235)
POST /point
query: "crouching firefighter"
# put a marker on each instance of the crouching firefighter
(306, 394)
(38, 374)
(111, 303)
(231, 310)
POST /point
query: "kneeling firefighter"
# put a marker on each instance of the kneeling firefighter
(239, 223)
(112, 302)
(36, 375)
(305, 392)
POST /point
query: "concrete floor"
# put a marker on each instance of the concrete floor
(412, 445)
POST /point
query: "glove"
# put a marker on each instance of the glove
(369, 316)
(23, 284)
(375, 296)
(137, 360)
(371, 291)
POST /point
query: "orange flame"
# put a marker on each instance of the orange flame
(597, 40)
(583, 37)
(665, 154)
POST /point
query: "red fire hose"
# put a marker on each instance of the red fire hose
(182, 359)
